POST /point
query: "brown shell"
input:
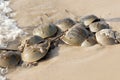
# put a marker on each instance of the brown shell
(76, 35)
(45, 31)
(97, 26)
(90, 41)
(65, 24)
(30, 40)
(9, 58)
(87, 20)
(106, 37)
(34, 53)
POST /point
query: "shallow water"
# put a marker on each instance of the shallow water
(9, 30)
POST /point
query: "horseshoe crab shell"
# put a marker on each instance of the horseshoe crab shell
(65, 24)
(106, 37)
(76, 35)
(90, 41)
(35, 53)
(45, 31)
(97, 26)
(87, 20)
(9, 58)
(30, 40)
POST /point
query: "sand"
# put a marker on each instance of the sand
(70, 62)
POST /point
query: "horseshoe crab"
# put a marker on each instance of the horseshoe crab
(9, 58)
(65, 24)
(87, 20)
(45, 31)
(106, 37)
(30, 40)
(75, 35)
(90, 41)
(31, 54)
(97, 26)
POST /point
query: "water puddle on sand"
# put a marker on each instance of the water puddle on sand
(9, 30)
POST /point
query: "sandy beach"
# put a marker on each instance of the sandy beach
(70, 62)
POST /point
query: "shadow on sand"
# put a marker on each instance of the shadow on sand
(51, 54)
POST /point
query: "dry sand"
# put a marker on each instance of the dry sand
(70, 62)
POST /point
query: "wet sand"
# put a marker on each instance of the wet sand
(70, 62)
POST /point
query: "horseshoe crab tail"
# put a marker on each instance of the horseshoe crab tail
(7, 49)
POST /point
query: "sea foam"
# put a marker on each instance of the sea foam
(9, 30)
